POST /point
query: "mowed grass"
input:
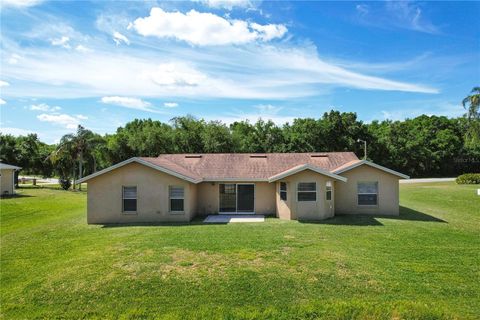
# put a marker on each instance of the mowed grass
(421, 265)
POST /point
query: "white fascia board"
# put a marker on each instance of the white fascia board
(143, 162)
(5, 166)
(373, 165)
(297, 169)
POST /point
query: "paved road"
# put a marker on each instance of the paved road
(426, 180)
(40, 179)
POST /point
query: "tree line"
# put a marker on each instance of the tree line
(430, 146)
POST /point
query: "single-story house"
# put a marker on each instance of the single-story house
(304, 186)
(7, 179)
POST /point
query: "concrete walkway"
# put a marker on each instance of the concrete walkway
(425, 180)
(237, 218)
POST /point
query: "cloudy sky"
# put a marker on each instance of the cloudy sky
(102, 64)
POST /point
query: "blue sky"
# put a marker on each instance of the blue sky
(102, 64)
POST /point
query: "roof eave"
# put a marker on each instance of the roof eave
(143, 162)
(297, 169)
(373, 165)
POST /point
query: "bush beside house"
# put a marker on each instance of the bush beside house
(468, 178)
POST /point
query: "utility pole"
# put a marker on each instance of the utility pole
(364, 148)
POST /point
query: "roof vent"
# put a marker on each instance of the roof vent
(193, 156)
(258, 156)
(319, 155)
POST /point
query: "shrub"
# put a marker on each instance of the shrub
(64, 183)
(469, 178)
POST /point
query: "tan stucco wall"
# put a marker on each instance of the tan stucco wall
(209, 193)
(6, 181)
(346, 193)
(104, 203)
(283, 207)
(305, 210)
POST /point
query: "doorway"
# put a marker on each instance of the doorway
(237, 198)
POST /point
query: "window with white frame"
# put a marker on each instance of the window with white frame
(328, 191)
(367, 192)
(129, 199)
(307, 191)
(177, 197)
(283, 191)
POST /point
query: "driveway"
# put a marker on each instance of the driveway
(424, 180)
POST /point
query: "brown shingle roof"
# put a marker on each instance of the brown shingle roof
(215, 166)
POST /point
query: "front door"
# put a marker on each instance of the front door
(237, 198)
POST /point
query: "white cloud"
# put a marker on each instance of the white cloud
(119, 38)
(81, 48)
(269, 31)
(204, 29)
(362, 9)
(14, 59)
(268, 109)
(179, 74)
(170, 104)
(64, 120)
(397, 14)
(44, 107)
(20, 3)
(15, 131)
(227, 4)
(409, 15)
(254, 71)
(2, 101)
(63, 42)
(128, 102)
(4, 83)
(81, 117)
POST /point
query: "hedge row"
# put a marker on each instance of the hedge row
(469, 178)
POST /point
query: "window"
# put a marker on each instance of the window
(367, 193)
(328, 191)
(283, 191)
(176, 199)
(307, 191)
(129, 197)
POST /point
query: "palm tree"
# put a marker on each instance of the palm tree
(473, 100)
(76, 147)
(472, 104)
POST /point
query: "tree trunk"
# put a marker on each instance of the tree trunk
(80, 169)
(94, 164)
(73, 176)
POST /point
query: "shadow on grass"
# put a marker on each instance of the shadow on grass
(348, 220)
(197, 221)
(406, 214)
(15, 196)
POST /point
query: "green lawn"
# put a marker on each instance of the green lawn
(421, 265)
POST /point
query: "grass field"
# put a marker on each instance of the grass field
(421, 265)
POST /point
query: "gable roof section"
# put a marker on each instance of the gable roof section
(303, 167)
(9, 166)
(353, 164)
(252, 166)
(211, 167)
(161, 165)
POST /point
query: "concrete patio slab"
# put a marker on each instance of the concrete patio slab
(237, 218)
